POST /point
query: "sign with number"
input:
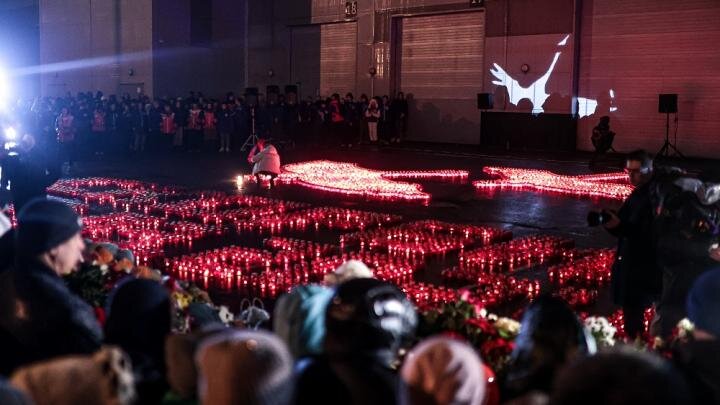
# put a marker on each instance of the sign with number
(477, 3)
(351, 9)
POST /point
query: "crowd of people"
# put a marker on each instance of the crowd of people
(349, 341)
(95, 124)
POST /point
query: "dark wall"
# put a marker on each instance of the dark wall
(20, 45)
(182, 63)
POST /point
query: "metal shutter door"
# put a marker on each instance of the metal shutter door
(442, 56)
(306, 59)
(441, 68)
(338, 51)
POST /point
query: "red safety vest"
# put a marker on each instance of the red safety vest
(194, 121)
(168, 123)
(98, 124)
(210, 120)
(335, 114)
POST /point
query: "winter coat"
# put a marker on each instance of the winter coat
(267, 160)
(699, 362)
(636, 277)
(40, 318)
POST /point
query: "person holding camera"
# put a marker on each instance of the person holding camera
(636, 278)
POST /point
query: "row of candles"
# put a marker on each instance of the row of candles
(268, 274)
(508, 256)
(492, 291)
(423, 238)
(131, 226)
(330, 218)
(606, 185)
(578, 281)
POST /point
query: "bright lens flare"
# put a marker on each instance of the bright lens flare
(10, 134)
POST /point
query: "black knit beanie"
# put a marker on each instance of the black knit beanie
(44, 224)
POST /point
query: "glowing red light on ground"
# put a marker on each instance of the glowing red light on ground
(606, 185)
(351, 179)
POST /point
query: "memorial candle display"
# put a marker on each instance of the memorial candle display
(349, 179)
(162, 225)
(609, 185)
(424, 238)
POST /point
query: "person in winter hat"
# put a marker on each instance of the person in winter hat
(244, 367)
(299, 319)
(442, 370)
(39, 317)
(367, 322)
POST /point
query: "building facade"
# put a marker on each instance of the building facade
(553, 66)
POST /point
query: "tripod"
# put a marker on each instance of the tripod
(253, 138)
(668, 147)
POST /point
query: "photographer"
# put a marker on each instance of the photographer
(636, 278)
(602, 139)
(687, 226)
(34, 170)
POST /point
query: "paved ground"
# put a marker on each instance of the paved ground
(523, 212)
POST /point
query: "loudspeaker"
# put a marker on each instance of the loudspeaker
(291, 88)
(485, 101)
(251, 91)
(667, 103)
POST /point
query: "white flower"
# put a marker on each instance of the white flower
(685, 328)
(225, 315)
(508, 326)
(601, 329)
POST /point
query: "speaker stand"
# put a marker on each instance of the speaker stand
(669, 149)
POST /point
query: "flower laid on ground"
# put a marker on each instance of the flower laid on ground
(602, 330)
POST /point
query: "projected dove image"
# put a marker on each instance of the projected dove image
(536, 92)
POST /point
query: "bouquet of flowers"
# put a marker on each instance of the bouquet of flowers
(602, 330)
(493, 336)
